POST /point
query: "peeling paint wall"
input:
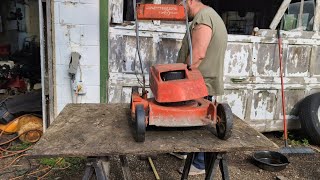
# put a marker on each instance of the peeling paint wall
(252, 73)
(76, 28)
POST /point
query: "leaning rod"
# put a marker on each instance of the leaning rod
(138, 45)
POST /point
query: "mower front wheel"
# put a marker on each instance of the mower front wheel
(225, 121)
(140, 123)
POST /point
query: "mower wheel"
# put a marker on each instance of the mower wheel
(140, 123)
(225, 121)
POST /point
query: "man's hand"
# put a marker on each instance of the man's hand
(201, 37)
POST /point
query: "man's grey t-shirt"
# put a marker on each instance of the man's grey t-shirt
(212, 65)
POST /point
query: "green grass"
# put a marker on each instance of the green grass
(74, 163)
(20, 146)
(297, 140)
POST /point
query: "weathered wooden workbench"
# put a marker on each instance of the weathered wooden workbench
(102, 130)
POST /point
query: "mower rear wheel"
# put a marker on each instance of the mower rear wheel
(140, 123)
(225, 121)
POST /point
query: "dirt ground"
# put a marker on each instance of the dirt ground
(240, 167)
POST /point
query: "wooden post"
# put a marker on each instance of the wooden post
(317, 17)
(280, 13)
(50, 50)
(104, 36)
(117, 11)
(300, 13)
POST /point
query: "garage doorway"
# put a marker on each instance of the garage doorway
(24, 58)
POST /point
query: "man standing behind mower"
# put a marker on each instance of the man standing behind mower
(209, 42)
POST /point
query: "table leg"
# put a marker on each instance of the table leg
(212, 160)
(187, 166)
(99, 165)
(88, 172)
(125, 168)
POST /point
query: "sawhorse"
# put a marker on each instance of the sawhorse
(101, 167)
(212, 160)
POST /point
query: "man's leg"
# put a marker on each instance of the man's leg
(198, 160)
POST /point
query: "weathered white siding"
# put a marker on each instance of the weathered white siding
(76, 28)
(252, 73)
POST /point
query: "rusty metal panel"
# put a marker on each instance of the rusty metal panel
(267, 61)
(263, 105)
(237, 99)
(237, 59)
(298, 60)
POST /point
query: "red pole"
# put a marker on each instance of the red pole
(285, 129)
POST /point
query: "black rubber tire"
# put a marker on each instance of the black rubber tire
(309, 117)
(173, 75)
(140, 123)
(224, 127)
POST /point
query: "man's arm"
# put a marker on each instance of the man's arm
(201, 37)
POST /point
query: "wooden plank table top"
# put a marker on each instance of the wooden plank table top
(105, 129)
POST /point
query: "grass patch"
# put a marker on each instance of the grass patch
(74, 163)
(297, 139)
(20, 146)
(67, 168)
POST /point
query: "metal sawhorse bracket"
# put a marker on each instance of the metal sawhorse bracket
(101, 167)
(212, 160)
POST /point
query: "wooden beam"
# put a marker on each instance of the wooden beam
(284, 6)
(117, 11)
(316, 21)
(300, 13)
(104, 34)
(50, 50)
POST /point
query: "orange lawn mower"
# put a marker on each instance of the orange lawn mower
(178, 89)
